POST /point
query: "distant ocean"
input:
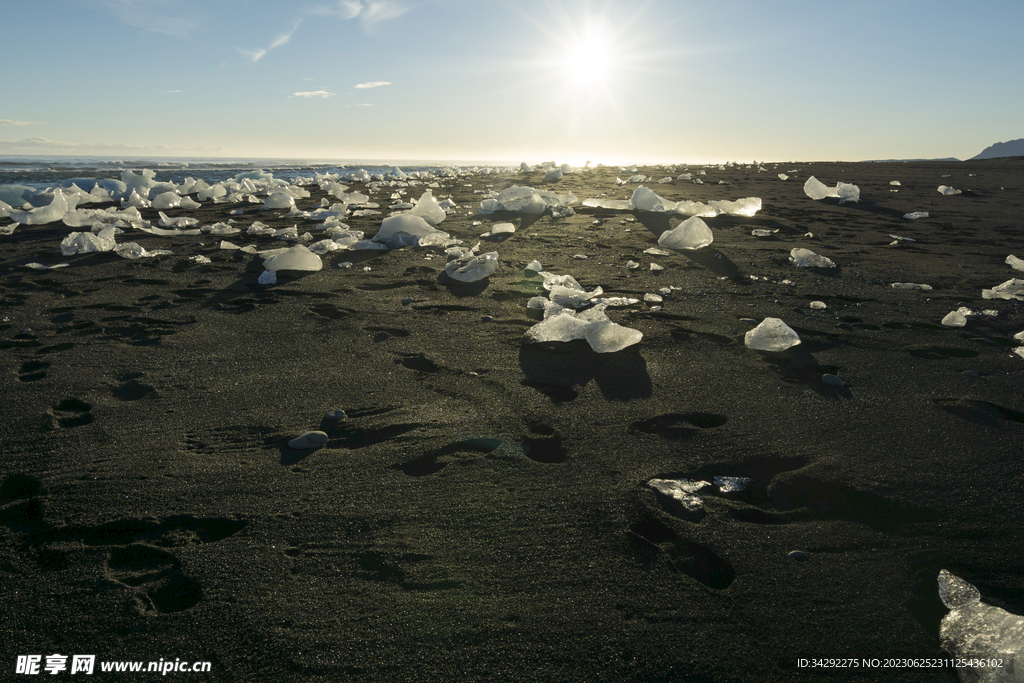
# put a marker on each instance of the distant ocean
(45, 171)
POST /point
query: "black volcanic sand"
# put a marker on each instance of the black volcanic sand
(483, 514)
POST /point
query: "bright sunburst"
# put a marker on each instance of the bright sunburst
(589, 57)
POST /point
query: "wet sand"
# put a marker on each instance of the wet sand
(482, 514)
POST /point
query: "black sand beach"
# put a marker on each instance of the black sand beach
(483, 513)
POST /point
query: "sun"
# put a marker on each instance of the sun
(588, 59)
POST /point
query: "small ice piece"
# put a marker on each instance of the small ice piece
(653, 298)
(428, 209)
(902, 239)
(45, 214)
(815, 189)
(605, 336)
(1014, 262)
(562, 327)
(655, 267)
(298, 257)
(732, 484)
(894, 182)
(553, 176)
(133, 250)
(654, 251)
(268, 277)
(975, 631)
(40, 266)
(762, 232)
(954, 319)
(84, 242)
(308, 441)
(181, 222)
(783, 176)
(200, 259)
(1011, 289)
(472, 268)
(911, 285)
(693, 233)
(913, 216)
(645, 199)
(407, 223)
(833, 380)
(747, 206)
(499, 228)
(682, 490)
(847, 193)
(279, 200)
(632, 265)
(167, 200)
(818, 305)
(567, 297)
(947, 190)
(534, 266)
(771, 335)
(805, 258)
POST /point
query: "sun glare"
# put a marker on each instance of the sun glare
(588, 58)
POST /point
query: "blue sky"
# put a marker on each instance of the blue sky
(656, 81)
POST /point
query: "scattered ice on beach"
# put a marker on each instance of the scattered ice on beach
(1011, 289)
(947, 190)
(693, 233)
(915, 215)
(805, 258)
(428, 209)
(1014, 262)
(771, 335)
(955, 319)
(279, 200)
(975, 631)
(471, 267)
(298, 257)
(406, 223)
(85, 242)
(732, 484)
(46, 214)
(166, 200)
(682, 490)
(817, 190)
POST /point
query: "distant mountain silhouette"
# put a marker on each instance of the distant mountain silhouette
(1013, 148)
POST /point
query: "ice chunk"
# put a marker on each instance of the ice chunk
(569, 297)
(815, 189)
(499, 228)
(954, 319)
(693, 233)
(608, 337)
(132, 250)
(747, 206)
(894, 182)
(682, 490)
(1015, 262)
(911, 285)
(167, 200)
(428, 209)
(406, 222)
(783, 176)
(471, 268)
(805, 258)
(46, 214)
(534, 266)
(819, 305)
(1011, 289)
(732, 484)
(913, 216)
(279, 200)
(562, 327)
(84, 242)
(553, 175)
(771, 335)
(614, 204)
(847, 193)
(762, 232)
(975, 631)
(298, 257)
(947, 190)
(180, 222)
(268, 277)
(645, 199)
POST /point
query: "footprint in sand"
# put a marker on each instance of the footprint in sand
(71, 412)
(32, 371)
(655, 542)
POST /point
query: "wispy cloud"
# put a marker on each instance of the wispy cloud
(372, 84)
(252, 55)
(285, 37)
(314, 93)
(168, 92)
(8, 122)
(368, 13)
(382, 10)
(170, 17)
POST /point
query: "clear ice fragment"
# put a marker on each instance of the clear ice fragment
(298, 257)
(771, 335)
(693, 233)
(805, 258)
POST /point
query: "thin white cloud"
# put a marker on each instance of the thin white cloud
(168, 92)
(382, 10)
(48, 146)
(285, 37)
(350, 9)
(372, 84)
(170, 17)
(314, 93)
(8, 122)
(252, 55)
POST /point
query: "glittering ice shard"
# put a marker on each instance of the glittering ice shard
(693, 233)
(771, 335)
